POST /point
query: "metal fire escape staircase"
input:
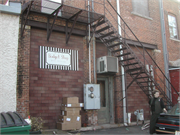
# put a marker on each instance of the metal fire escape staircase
(134, 65)
(134, 58)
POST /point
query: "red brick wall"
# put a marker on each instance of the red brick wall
(136, 99)
(173, 46)
(23, 74)
(101, 50)
(47, 86)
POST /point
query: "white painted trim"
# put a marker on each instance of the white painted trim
(146, 17)
(174, 68)
(175, 39)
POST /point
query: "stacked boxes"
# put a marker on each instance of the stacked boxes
(70, 118)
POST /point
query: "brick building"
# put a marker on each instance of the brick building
(64, 29)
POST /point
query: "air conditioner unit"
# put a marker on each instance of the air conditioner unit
(107, 64)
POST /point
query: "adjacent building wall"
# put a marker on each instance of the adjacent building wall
(9, 25)
(173, 45)
(47, 87)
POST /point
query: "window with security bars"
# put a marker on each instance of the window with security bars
(141, 7)
(172, 26)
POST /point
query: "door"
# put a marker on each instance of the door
(175, 80)
(103, 112)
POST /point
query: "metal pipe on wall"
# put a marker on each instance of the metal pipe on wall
(89, 45)
(94, 54)
(122, 70)
(165, 52)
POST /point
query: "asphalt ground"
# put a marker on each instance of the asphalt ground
(124, 130)
(120, 130)
(130, 130)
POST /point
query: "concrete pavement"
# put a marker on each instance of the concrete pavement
(103, 129)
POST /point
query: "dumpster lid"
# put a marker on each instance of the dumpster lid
(10, 119)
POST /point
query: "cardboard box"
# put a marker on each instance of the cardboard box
(69, 119)
(70, 100)
(70, 113)
(63, 108)
(68, 126)
(73, 105)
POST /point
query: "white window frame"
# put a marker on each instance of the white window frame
(142, 10)
(173, 30)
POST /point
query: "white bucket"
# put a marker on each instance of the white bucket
(129, 118)
(141, 116)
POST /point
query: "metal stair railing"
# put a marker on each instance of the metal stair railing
(138, 51)
(161, 79)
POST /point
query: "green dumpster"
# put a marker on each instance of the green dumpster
(13, 123)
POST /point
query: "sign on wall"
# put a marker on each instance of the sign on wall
(58, 58)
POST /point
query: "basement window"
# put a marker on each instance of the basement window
(141, 7)
(172, 26)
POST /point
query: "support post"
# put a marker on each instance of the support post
(76, 16)
(22, 30)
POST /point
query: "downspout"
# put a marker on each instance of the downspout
(89, 44)
(122, 69)
(94, 57)
(165, 52)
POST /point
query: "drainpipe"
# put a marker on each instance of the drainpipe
(94, 57)
(165, 52)
(122, 70)
(89, 44)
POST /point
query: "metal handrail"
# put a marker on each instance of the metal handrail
(161, 77)
(142, 46)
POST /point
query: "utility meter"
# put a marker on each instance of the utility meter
(91, 96)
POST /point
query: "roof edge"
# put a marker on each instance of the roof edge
(13, 8)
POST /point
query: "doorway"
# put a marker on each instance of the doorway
(103, 112)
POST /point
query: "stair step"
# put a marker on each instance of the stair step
(138, 73)
(131, 64)
(147, 90)
(113, 45)
(100, 23)
(127, 59)
(112, 39)
(123, 54)
(148, 86)
(142, 77)
(105, 35)
(118, 50)
(134, 69)
(103, 29)
(145, 82)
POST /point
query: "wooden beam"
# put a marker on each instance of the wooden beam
(25, 6)
(94, 29)
(22, 31)
(52, 25)
(48, 18)
(67, 39)
(133, 80)
(75, 15)
(43, 25)
(56, 10)
(66, 29)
